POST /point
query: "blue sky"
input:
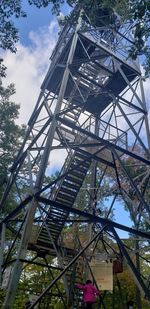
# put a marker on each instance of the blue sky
(38, 35)
(36, 18)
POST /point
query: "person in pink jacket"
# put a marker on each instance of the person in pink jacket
(89, 293)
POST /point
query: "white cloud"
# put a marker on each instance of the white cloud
(27, 69)
(28, 66)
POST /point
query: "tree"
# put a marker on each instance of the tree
(10, 132)
(8, 31)
(34, 280)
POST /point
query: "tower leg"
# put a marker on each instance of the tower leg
(12, 288)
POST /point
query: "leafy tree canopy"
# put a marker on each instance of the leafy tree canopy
(8, 31)
(10, 132)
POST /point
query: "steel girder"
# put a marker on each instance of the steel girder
(91, 109)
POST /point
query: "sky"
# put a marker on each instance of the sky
(27, 68)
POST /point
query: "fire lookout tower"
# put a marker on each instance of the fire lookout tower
(91, 112)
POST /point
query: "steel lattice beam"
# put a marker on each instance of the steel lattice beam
(92, 107)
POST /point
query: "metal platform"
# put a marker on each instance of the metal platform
(94, 71)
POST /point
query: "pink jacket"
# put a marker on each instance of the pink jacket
(89, 292)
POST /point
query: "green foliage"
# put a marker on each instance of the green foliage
(2, 69)
(2, 297)
(44, 3)
(8, 31)
(33, 281)
(140, 14)
(10, 132)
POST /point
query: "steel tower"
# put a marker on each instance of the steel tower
(91, 113)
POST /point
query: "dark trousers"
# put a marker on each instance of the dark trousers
(88, 305)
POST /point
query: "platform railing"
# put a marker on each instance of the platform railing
(107, 131)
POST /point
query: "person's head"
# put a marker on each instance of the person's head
(88, 281)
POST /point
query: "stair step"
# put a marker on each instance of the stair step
(81, 164)
(57, 214)
(74, 180)
(67, 191)
(77, 173)
(64, 201)
(80, 168)
(65, 196)
(54, 221)
(82, 157)
(68, 184)
(44, 231)
(71, 119)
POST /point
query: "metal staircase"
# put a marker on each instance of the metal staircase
(65, 193)
(75, 275)
(92, 84)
